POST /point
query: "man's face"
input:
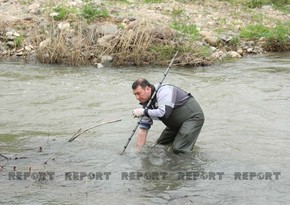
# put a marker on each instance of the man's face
(142, 95)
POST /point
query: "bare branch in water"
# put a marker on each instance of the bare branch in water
(1, 155)
(81, 131)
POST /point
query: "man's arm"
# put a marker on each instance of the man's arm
(141, 137)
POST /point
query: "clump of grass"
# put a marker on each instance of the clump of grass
(25, 2)
(177, 12)
(254, 31)
(194, 55)
(190, 54)
(153, 1)
(18, 41)
(163, 51)
(188, 29)
(277, 38)
(89, 11)
(62, 12)
(258, 3)
(61, 49)
(234, 41)
(131, 45)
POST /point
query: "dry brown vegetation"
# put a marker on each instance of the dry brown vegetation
(150, 39)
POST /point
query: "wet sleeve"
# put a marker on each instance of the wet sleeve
(146, 123)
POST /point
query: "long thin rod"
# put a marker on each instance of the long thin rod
(150, 101)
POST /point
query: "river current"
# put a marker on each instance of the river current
(241, 155)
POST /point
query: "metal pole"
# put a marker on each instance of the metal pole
(149, 103)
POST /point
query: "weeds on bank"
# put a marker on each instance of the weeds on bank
(188, 29)
(277, 38)
(62, 12)
(131, 45)
(163, 51)
(25, 2)
(190, 54)
(258, 3)
(254, 31)
(18, 41)
(90, 12)
(153, 1)
(61, 49)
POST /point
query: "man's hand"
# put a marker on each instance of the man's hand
(138, 112)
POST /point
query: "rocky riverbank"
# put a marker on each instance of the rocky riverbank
(134, 32)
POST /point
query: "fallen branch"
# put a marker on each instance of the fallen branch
(1, 155)
(81, 131)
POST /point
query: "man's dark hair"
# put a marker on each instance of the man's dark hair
(142, 82)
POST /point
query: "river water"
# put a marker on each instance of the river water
(241, 156)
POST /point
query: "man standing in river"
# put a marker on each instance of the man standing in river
(177, 109)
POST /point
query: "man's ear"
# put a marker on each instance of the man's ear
(148, 88)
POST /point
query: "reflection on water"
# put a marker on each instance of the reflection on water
(247, 110)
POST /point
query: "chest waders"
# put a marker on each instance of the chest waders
(183, 127)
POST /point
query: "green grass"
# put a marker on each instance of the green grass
(277, 38)
(177, 12)
(258, 3)
(153, 1)
(163, 51)
(254, 31)
(188, 29)
(235, 41)
(18, 41)
(90, 12)
(62, 12)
